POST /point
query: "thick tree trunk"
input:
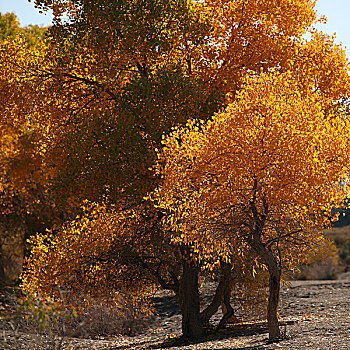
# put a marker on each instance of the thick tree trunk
(272, 308)
(192, 327)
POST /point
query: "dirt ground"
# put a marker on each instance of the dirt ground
(315, 315)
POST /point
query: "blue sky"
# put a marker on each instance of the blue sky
(337, 12)
(25, 11)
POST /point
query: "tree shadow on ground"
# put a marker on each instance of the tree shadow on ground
(231, 331)
(166, 306)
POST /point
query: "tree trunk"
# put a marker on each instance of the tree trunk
(274, 288)
(227, 310)
(222, 296)
(192, 327)
(272, 308)
(2, 268)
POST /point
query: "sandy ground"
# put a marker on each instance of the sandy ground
(315, 315)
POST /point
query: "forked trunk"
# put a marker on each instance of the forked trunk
(221, 297)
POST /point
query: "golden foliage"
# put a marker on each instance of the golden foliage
(272, 156)
(102, 251)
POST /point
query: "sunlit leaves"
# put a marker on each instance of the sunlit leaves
(271, 150)
(103, 250)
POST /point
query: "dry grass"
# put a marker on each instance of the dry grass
(27, 323)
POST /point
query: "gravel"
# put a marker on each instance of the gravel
(314, 315)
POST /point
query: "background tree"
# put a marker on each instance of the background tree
(26, 208)
(10, 28)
